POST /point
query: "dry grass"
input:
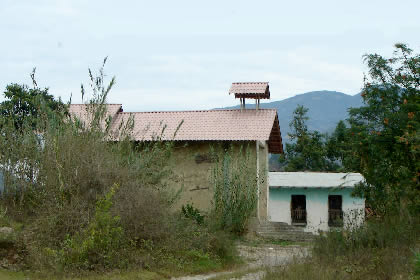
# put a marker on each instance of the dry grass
(379, 250)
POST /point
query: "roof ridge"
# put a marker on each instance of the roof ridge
(250, 83)
(94, 104)
(211, 110)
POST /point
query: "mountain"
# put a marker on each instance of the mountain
(326, 108)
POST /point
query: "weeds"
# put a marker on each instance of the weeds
(380, 249)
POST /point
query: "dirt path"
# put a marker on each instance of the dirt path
(257, 258)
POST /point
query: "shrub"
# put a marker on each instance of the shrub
(100, 243)
(193, 213)
(143, 212)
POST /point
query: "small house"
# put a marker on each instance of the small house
(315, 201)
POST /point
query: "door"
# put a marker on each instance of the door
(298, 209)
(335, 210)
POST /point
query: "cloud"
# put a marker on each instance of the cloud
(185, 54)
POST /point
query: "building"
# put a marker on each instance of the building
(315, 201)
(310, 201)
(196, 132)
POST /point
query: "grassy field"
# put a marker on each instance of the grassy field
(142, 274)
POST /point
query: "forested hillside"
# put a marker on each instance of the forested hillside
(326, 108)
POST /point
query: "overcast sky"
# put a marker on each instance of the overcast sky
(182, 55)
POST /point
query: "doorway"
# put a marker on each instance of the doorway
(335, 211)
(298, 209)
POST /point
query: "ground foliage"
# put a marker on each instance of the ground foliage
(384, 248)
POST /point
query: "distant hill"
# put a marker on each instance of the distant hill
(326, 108)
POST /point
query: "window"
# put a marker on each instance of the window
(335, 210)
(298, 209)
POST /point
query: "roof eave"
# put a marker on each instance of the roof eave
(275, 143)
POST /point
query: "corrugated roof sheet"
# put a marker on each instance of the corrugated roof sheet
(209, 125)
(260, 90)
(313, 180)
(82, 112)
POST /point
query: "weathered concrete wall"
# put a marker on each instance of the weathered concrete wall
(263, 181)
(316, 206)
(194, 178)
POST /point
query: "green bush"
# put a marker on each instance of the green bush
(193, 213)
(100, 243)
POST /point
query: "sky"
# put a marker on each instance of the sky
(184, 55)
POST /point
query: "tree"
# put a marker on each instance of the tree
(308, 153)
(24, 105)
(339, 149)
(385, 131)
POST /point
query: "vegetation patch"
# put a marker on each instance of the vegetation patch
(86, 204)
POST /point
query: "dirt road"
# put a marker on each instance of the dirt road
(258, 258)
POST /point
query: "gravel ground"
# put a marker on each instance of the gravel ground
(258, 257)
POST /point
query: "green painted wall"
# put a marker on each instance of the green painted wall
(316, 206)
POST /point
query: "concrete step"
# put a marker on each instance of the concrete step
(283, 231)
(303, 236)
(296, 229)
(279, 226)
(286, 232)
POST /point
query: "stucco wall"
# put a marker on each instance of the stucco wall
(316, 206)
(263, 180)
(194, 178)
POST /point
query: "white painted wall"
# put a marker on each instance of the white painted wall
(316, 206)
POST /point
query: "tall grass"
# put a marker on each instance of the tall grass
(234, 180)
(380, 249)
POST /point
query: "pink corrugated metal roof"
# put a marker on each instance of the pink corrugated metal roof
(81, 111)
(250, 90)
(202, 125)
(210, 125)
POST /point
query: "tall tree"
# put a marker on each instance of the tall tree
(24, 105)
(385, 131)
(308, 152)
(339, 149)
